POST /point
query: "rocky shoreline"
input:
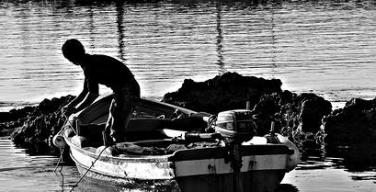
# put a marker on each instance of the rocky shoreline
(32, 127)
(307, 119)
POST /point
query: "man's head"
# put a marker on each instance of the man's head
(73, 50)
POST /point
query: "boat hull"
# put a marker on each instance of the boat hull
(200, 167)
(256, 181)
(196, 170)
(129, 183)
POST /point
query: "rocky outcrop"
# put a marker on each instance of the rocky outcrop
(291, 113)
(223, 92)
(35, 125)
(351, 134)
(13, 119)
(353, 125)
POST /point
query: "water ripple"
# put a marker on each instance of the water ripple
(312, 43)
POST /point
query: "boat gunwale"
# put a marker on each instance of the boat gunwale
(148, 158)
(181, 155)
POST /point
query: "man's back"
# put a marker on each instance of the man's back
(106, 70)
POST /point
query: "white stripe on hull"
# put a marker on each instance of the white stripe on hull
(136, 169)
(218, 166)
(132, 169)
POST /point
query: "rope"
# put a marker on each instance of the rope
(68, 123)
(61, 158)
(61, 149)
(88, 169)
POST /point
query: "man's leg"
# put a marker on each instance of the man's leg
(121, 118)
(110, 121)
(125, 102)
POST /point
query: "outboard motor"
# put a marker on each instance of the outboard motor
(235, 125)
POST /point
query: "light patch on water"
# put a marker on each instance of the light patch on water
(329, 180)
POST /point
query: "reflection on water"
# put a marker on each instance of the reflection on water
(120, 23)
(220, 61)
(20, 171)
(322, 46)
(360, 158)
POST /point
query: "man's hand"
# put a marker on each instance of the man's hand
(67, 110)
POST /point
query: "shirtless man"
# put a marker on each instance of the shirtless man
(108, 71)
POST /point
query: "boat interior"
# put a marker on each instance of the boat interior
(146, 125)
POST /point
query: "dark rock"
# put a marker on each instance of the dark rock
(312, 110)
(16, 114)
(228, 91)
(296, 116)
(6, 116)
(37, 124)
(290, 112)
(353, 125)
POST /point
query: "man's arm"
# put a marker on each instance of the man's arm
(87, 100)
(89, 93)
(71, 107)
(77, 100)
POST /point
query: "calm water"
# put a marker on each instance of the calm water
(20, 172)
(326, 47)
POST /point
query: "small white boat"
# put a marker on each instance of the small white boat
(162, 153)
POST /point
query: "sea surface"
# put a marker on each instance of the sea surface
(326, 47)
(22, 170)
(322, 46)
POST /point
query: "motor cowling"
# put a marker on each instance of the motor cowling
(235, 125)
